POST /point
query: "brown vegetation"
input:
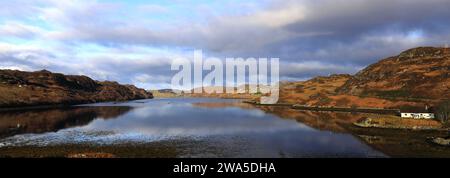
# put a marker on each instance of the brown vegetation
(419, 73)
(18, 89)
(416, 78)
(303, 92)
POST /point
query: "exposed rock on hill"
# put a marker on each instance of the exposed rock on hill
(19, 89)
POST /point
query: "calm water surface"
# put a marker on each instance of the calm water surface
(223, 127)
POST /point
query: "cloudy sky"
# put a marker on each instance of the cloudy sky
(134, 41)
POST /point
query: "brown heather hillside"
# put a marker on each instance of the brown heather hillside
(19, 89)
(415, 78)
(422, 73)
(304, 91)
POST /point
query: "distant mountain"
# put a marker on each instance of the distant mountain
(19, 89)
(240, 92)
(416, 78)
(167, 93)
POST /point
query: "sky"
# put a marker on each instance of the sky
(134, 41)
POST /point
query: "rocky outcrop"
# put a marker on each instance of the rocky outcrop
(18, 89)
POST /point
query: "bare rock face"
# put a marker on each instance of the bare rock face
(19, 89)
(419, 73)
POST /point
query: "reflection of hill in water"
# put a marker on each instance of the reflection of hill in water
(223, 105)
(329, 121)
(52, 120)
(392, 142)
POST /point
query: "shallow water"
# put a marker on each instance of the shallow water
(225, 129)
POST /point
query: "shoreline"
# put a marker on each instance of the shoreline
(389, 113)
(57, 106)
(332, 109)
(347, 109)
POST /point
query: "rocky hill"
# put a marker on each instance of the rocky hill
(18, 89)
(417, 78)
(419, 73)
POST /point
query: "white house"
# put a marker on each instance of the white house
(418, 115)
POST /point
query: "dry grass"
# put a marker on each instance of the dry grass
(302, 92)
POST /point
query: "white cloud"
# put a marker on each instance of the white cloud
(16, 29)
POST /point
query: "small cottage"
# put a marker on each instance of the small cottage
(418, 115)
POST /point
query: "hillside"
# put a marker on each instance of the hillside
(421, 73)
(19, 89)
(414, 78)
(304, 91)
